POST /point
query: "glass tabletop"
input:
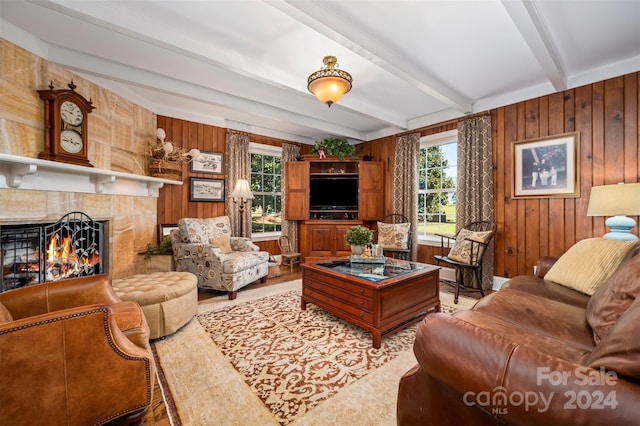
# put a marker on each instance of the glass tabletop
(373, 271)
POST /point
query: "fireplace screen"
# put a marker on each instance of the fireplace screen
(32, 253)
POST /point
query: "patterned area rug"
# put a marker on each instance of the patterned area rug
(208, 389)
(294, 359)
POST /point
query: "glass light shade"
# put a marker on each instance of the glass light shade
(242, 190)
(616, 201)
(329, 90)
(329, 83)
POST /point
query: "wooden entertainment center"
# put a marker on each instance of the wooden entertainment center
(328, 196)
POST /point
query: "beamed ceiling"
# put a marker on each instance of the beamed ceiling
(244, 64)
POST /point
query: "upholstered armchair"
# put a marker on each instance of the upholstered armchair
(206, 248)
(72, 353)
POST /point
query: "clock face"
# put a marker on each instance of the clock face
(71, 141)
(71, 113)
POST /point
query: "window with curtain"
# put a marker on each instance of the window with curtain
(266, 185)
(437, 186)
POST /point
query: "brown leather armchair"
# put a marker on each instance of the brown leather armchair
(72, 353)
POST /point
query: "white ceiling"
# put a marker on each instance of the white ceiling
(244, 64)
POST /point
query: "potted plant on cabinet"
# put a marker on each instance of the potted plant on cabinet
(335, 146)
(357, 237)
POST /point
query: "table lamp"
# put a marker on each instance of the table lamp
(241, 194)
(616, 201)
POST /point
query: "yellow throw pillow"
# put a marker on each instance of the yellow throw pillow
(588, 263)
(461, 250)
(223, 242)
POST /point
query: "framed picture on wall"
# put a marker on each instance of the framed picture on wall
(208, 162)
(546, 167)
(203, 189)
(164, 230)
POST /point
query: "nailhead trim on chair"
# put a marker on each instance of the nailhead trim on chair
(105, 323)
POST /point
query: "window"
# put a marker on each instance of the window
(266, 179)
(437, 185)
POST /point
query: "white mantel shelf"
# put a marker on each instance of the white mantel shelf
(45, 175)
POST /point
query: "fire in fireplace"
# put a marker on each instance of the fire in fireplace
(35, 253)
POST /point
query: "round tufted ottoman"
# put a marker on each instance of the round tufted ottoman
(168, 299)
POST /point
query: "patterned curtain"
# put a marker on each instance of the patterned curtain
(405, 172)
(237, 167)
(475, 183)
(289, 227)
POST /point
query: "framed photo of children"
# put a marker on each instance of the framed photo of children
(208, 162)
(546, 167)
(202, 189)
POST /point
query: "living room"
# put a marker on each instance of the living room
(603, 112)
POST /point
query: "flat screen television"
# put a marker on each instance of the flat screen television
(333, 193)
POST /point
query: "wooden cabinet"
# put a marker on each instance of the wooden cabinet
(322, 227)
(324, 238)
(367, 176)
(297, 190)
(370, 205)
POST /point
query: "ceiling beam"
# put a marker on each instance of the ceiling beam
(533, 29)
(320, 17)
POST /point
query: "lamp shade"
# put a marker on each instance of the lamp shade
(614, 200)
(329, 83)
(242, 190)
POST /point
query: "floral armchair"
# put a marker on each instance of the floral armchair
(206, 248)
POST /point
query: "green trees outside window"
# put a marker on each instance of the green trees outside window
(266, 185)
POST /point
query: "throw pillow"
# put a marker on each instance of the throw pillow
(620, 349)
(5, 315)
(223, 243)
(613, 297)
(588, 263)
(200, 231)
(461, 250)
(393, 235)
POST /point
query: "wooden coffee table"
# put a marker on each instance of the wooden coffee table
(381, 298)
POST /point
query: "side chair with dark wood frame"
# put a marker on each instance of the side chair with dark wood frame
(471, 242)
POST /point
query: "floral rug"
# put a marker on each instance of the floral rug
(355, 384)
(294, 359)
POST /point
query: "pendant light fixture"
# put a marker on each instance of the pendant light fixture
(329, 83)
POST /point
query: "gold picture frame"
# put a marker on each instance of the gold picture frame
(547, 167)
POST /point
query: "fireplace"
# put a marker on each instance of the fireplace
(34, 253)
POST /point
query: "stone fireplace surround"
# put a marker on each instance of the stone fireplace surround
(33, 253)
(119, 131)
(127, 202)
(131, 219)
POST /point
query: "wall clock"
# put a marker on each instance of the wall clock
(65, 125)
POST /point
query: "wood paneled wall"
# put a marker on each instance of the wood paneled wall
(605, 113)
(173, 202)
(606, 116)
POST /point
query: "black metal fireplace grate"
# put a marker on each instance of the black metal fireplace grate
(35, 253)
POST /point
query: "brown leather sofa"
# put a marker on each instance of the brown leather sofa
(528, 355)
(72, 353)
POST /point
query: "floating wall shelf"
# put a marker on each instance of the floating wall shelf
(45, 175)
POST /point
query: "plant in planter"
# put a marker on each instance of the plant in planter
(163, 248)
(335, 146)
(357, 237)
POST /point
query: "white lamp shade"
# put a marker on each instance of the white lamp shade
(242, 190)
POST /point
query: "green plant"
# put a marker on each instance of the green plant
(163, 248)
(335, 146)
(358, 236)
